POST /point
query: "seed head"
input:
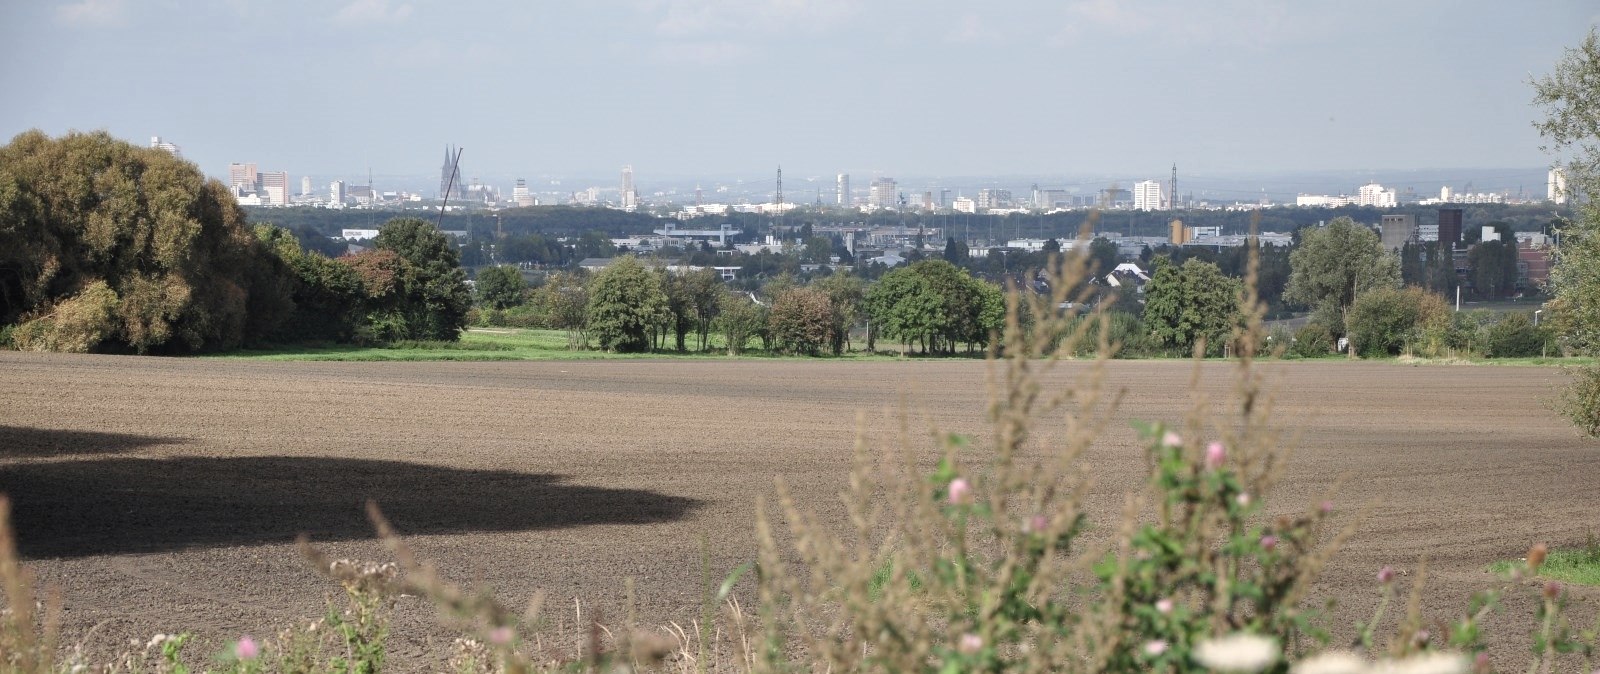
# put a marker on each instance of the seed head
(1552, 590)
(1536, 555)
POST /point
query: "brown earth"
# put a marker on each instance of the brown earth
(162, 495)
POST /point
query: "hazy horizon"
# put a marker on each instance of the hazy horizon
(716, 89)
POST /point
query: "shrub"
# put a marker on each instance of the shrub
(1580, 401)
(802, 322)
(625, 303)
(1385, 321)
(1513, 336)
(77, 324)
(1312, 341)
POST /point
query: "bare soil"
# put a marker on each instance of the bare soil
(163, 495)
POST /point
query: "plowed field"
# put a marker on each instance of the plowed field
(162, 495)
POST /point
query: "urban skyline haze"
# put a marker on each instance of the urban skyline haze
(680, 88)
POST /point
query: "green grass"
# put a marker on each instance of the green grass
(1580, 566)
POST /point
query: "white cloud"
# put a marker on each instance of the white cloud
(372, 11)
(92, 12)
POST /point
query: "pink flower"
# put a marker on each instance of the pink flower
(1243, 499)
(1155, 647)
(1163, 606)
(1171, 439)
(1386, 575)
(246, 649)
(1327, 507)
(1268, 542)
(1215, 455)
(1552, 590)
(500, 636)
(960, 491)
(970, 643)
(1036, 525)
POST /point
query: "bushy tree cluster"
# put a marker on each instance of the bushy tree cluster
(935, 305)
(1190, 304)
(105, 246)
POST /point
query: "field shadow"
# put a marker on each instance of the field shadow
(132, 505)
(28, 442)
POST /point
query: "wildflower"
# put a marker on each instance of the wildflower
(1243, 499)
(960, 491)
(1327, 507)
(1268, 542)
(1425, 663)
(1481, 663)
(156, 640)
(1552, 590)
(1163, 606)
(1171, 439)
(970, 644)
(1036, 525)
(500, 636)
(246, 649)
(1386, 575)
(1154, 648)
(1215, 455)
(1331, 662)
(1238, 652)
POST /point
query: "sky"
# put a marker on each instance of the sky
(688, 88)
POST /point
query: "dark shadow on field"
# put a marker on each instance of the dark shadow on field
(131, 505)
(26, 442)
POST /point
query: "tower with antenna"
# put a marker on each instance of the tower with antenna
(1172, 200)
(778, 196)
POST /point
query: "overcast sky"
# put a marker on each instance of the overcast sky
(728, 87)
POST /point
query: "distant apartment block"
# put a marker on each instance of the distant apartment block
(630, 196)
(842, 189)
(275, 186)
(1373, 194)
(336, 193)
(244, 178)
(965, 205)
(305, 185)
(520, 194)
(157, 143)
(884, 194)
(1147, 195)
(989, 199)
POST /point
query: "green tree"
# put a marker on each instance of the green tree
(564, 302)
(847, 294)
(1103, 255)
(904, 306)
(1514, 336)
(626, 302)
(500, 287)
(1334, 264)
(739, 318)
(1187, 303)
(955, 252)
(435, 297)
(1494, 269)
(1570, 99)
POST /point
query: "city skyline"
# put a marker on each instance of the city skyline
(679, 88)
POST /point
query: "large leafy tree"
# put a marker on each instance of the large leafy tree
(802, 322)
(1494, 268)
(1336, 263)
(626, 303)
(435, 298)
(500, 287)
(1187, 303)
(936, 304)
(1570, 98)
(109, 246)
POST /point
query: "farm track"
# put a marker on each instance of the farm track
(165, 494)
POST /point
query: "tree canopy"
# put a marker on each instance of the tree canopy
(626, 303)
(1336, 263)
(1187, 303)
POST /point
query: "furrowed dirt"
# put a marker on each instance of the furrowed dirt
(164, 495)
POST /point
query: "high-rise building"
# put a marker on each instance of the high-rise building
(305, 185)
(1147, 195)
(883, 193)
(1449, 226)
(276, 186)
(630, 196)
(1556, 186)
(842, 188)
(244, 177)
(336, 193)
(1373, 194)
(157, 143)
(1398, 230)
(520, 194)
